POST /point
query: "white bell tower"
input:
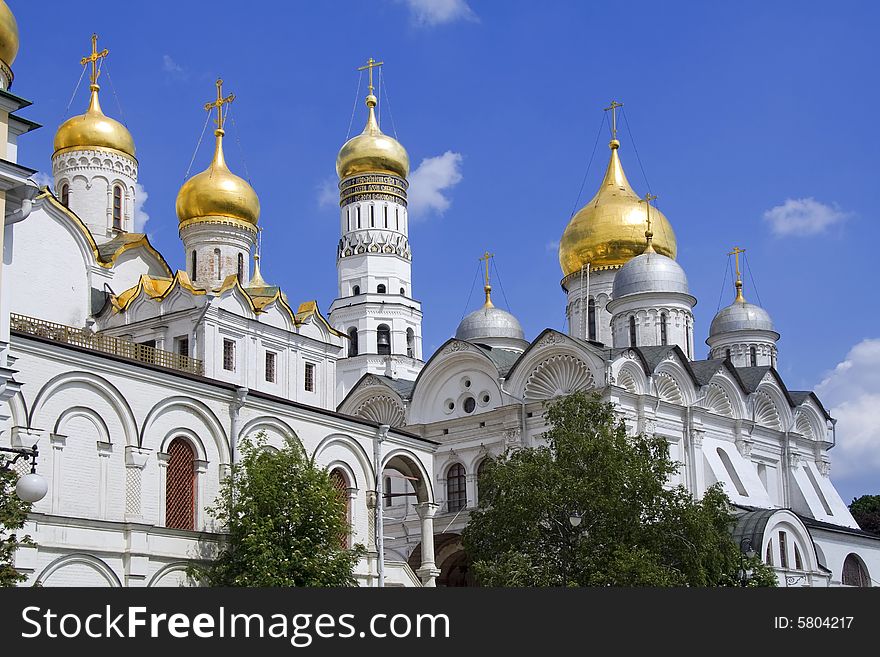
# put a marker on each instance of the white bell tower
(375, 305)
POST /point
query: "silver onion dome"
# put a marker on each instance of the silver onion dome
(489, 322)
(649, 272)
(741, 316)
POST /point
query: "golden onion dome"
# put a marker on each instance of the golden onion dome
(610, 229)
(93, 130)
(8, 35)
(372, 151)
(217, 192)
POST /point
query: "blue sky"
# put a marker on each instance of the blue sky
(735, 108)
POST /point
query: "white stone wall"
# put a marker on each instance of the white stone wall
(579, 290)
(92, 175)
(738, 346)
(103, 426)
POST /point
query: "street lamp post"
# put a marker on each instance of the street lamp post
(30, 487)
(746, 548)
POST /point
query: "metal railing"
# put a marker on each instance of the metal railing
(107, 344)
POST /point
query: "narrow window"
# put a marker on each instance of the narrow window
(783, 550)
(456, 491)
(372, 217)
(352, 342)
(854, 572)
(241, 268)
(397, 218)
(356, 290)
(340, 486)
(591, 319)
(663, 328)
(387, 492)
(229, 354)
(117, 207)
(348, 217)
(632, 332)
(753, 355)
(768, 556)
(687, 330)
(180, 486)
(182, 345)
(383, 340)
(195, 265)
(65, 195)
(410, 343)
(309, 383)
(358, 212)
(270, 366)
(481, 472)
(798, 562)
(380, 289)
(386, 215)
(217, 263)
(727, 351)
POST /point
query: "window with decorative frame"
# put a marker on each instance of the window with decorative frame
(309, 381)
(456, 488)
(632, 332)
(65, 195)
(228, 354)
(854, 572)
(341, 486)
(270, 366)
(180, 485)
(117, 207)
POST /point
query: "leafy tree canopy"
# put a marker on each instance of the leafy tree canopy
(866, 511)
(285, 523)
(634, 530)
(13, 514)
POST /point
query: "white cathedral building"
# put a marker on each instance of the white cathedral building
(138, 383)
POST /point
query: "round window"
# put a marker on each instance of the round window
(467, 383)
(450, 405)
(485, 398)
(469, 405)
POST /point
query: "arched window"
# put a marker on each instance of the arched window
(217, 263)
(632, 332)
(65, 195)
(727, 352)
(356, 290)
(381, 289)
(456, 488)
(372, 217)
(352, 342)
(348, 218)
(397, 218)
(383, 340)
(481, 470)
(386, 215)
(854, 572)
(117, 207)
(410, 343)
(591, 319)
(340, 485)
(241, 268)
(687, 330)
(753, 356)
(194, 264)
(662, 328)
(180, 486)
(358, 212)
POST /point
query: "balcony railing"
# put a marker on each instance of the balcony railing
(107, 344)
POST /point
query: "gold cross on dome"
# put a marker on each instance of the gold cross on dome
(370, 65)
(648, 198)
(735, 253)
(613, 109)
(94, 58)
(219, 103)
(487, 257)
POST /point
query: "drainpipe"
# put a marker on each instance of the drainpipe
(381, 436)
(235, 422)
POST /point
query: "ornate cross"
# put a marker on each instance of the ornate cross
(219, 103)
(648, 198)
(735, 253)
(370, 65)
(93, 59)
(487, 257)
(613, 108)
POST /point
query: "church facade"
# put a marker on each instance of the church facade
(137, 383)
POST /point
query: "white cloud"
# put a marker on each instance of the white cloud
(328, 192)
(439, 12)
(803, 216)
(552, 247)
(140, 217)
(171, 67)
(431, 182)
(851, 391)
(43, 180)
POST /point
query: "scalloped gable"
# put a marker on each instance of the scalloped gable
(156, 288)
(399, 387)
(308, 310)
(108, 253)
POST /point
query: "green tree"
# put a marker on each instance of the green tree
(284, 523)
(633, 530)
(866, 511)
(13, 514)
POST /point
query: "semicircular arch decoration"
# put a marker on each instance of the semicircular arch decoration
(766, 413)
(667, 388)
(558, 375)
(804, 427)
(382, 409)
(718, 401)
